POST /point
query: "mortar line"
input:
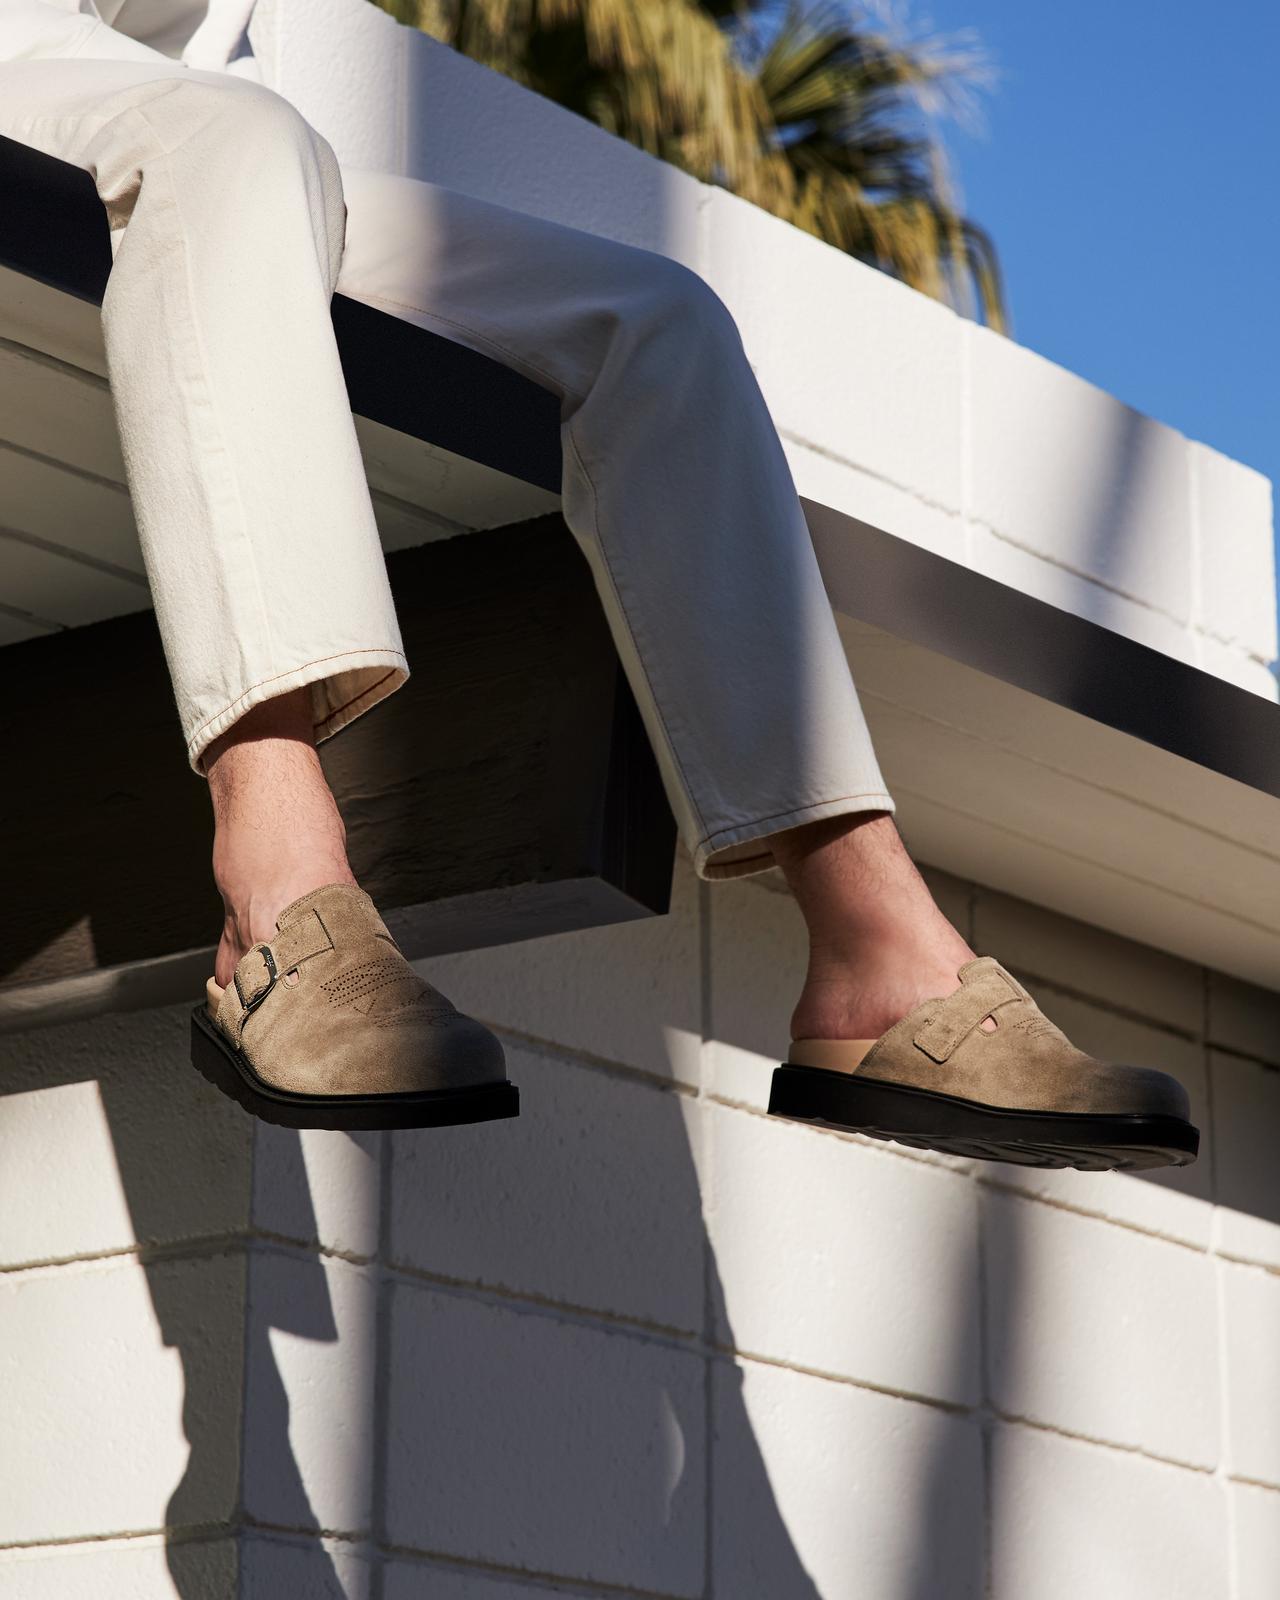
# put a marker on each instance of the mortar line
(1182, 623)
(1008, 1187)
(531, 1575)
(865, 471)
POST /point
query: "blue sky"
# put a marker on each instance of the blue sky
(1130, 174)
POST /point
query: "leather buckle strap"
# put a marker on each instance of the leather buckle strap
(259, 992)
(301, 939)
(304, 937)
(960, 1013)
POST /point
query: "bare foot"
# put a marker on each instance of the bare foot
(278, 832)
(878, 944)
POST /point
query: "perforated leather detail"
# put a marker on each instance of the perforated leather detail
(364, 980)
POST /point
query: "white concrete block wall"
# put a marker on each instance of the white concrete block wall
(644, 1340)
(890, 407)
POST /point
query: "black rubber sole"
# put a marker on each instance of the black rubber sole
(215, 1058)
(930, 1121)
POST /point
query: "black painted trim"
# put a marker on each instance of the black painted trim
(1084, 666)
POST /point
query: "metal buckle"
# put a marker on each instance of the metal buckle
(272, 975)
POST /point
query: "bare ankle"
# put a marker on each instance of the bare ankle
(879, 945)
(278, 833)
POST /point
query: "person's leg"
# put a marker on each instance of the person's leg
(676, 486)
(270, 589)
(878, 944)
(253, 512)
(263, 769)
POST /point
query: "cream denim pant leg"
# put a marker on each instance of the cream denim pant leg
(232, 226)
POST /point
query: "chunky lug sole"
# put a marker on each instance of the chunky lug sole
(927, 1120)
(218, 1060)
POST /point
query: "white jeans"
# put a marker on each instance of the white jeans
(231, 227)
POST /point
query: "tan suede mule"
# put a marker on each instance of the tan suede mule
(328, 1026)
(984, 1073)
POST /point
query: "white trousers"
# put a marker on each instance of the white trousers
(232, 226)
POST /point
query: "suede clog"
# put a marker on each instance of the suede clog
(328, 1026)
(983, 1072)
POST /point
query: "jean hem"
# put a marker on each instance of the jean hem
(371, 675)
(722, 855)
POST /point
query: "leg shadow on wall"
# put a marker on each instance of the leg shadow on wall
(218, 1312)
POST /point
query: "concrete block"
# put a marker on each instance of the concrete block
(590, 1197)
(125, 1383)
(1244, 1018)
(858, 365)
(1070, 473)
(1174, 1201)
(1101, 1331)
(1043, 576)
(822, 1488)
(835, 483)
(309, 1392)
(1237, 554)
(298, 1569)
(109, 1137)
(445, 119)
(1251, 1320)
(534, 1443)
(1092, 962)
(132, 1569)
(1071, 1519)
(318, 1186)
(1255, 1518)
(1246, 1136)
(826, 1251)
(629, 993)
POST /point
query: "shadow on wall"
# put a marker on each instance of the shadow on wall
(513, 1436)
(533, 1317)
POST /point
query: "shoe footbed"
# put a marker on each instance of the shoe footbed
(834, 1055)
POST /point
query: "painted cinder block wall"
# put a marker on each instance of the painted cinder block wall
(644, 1340)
